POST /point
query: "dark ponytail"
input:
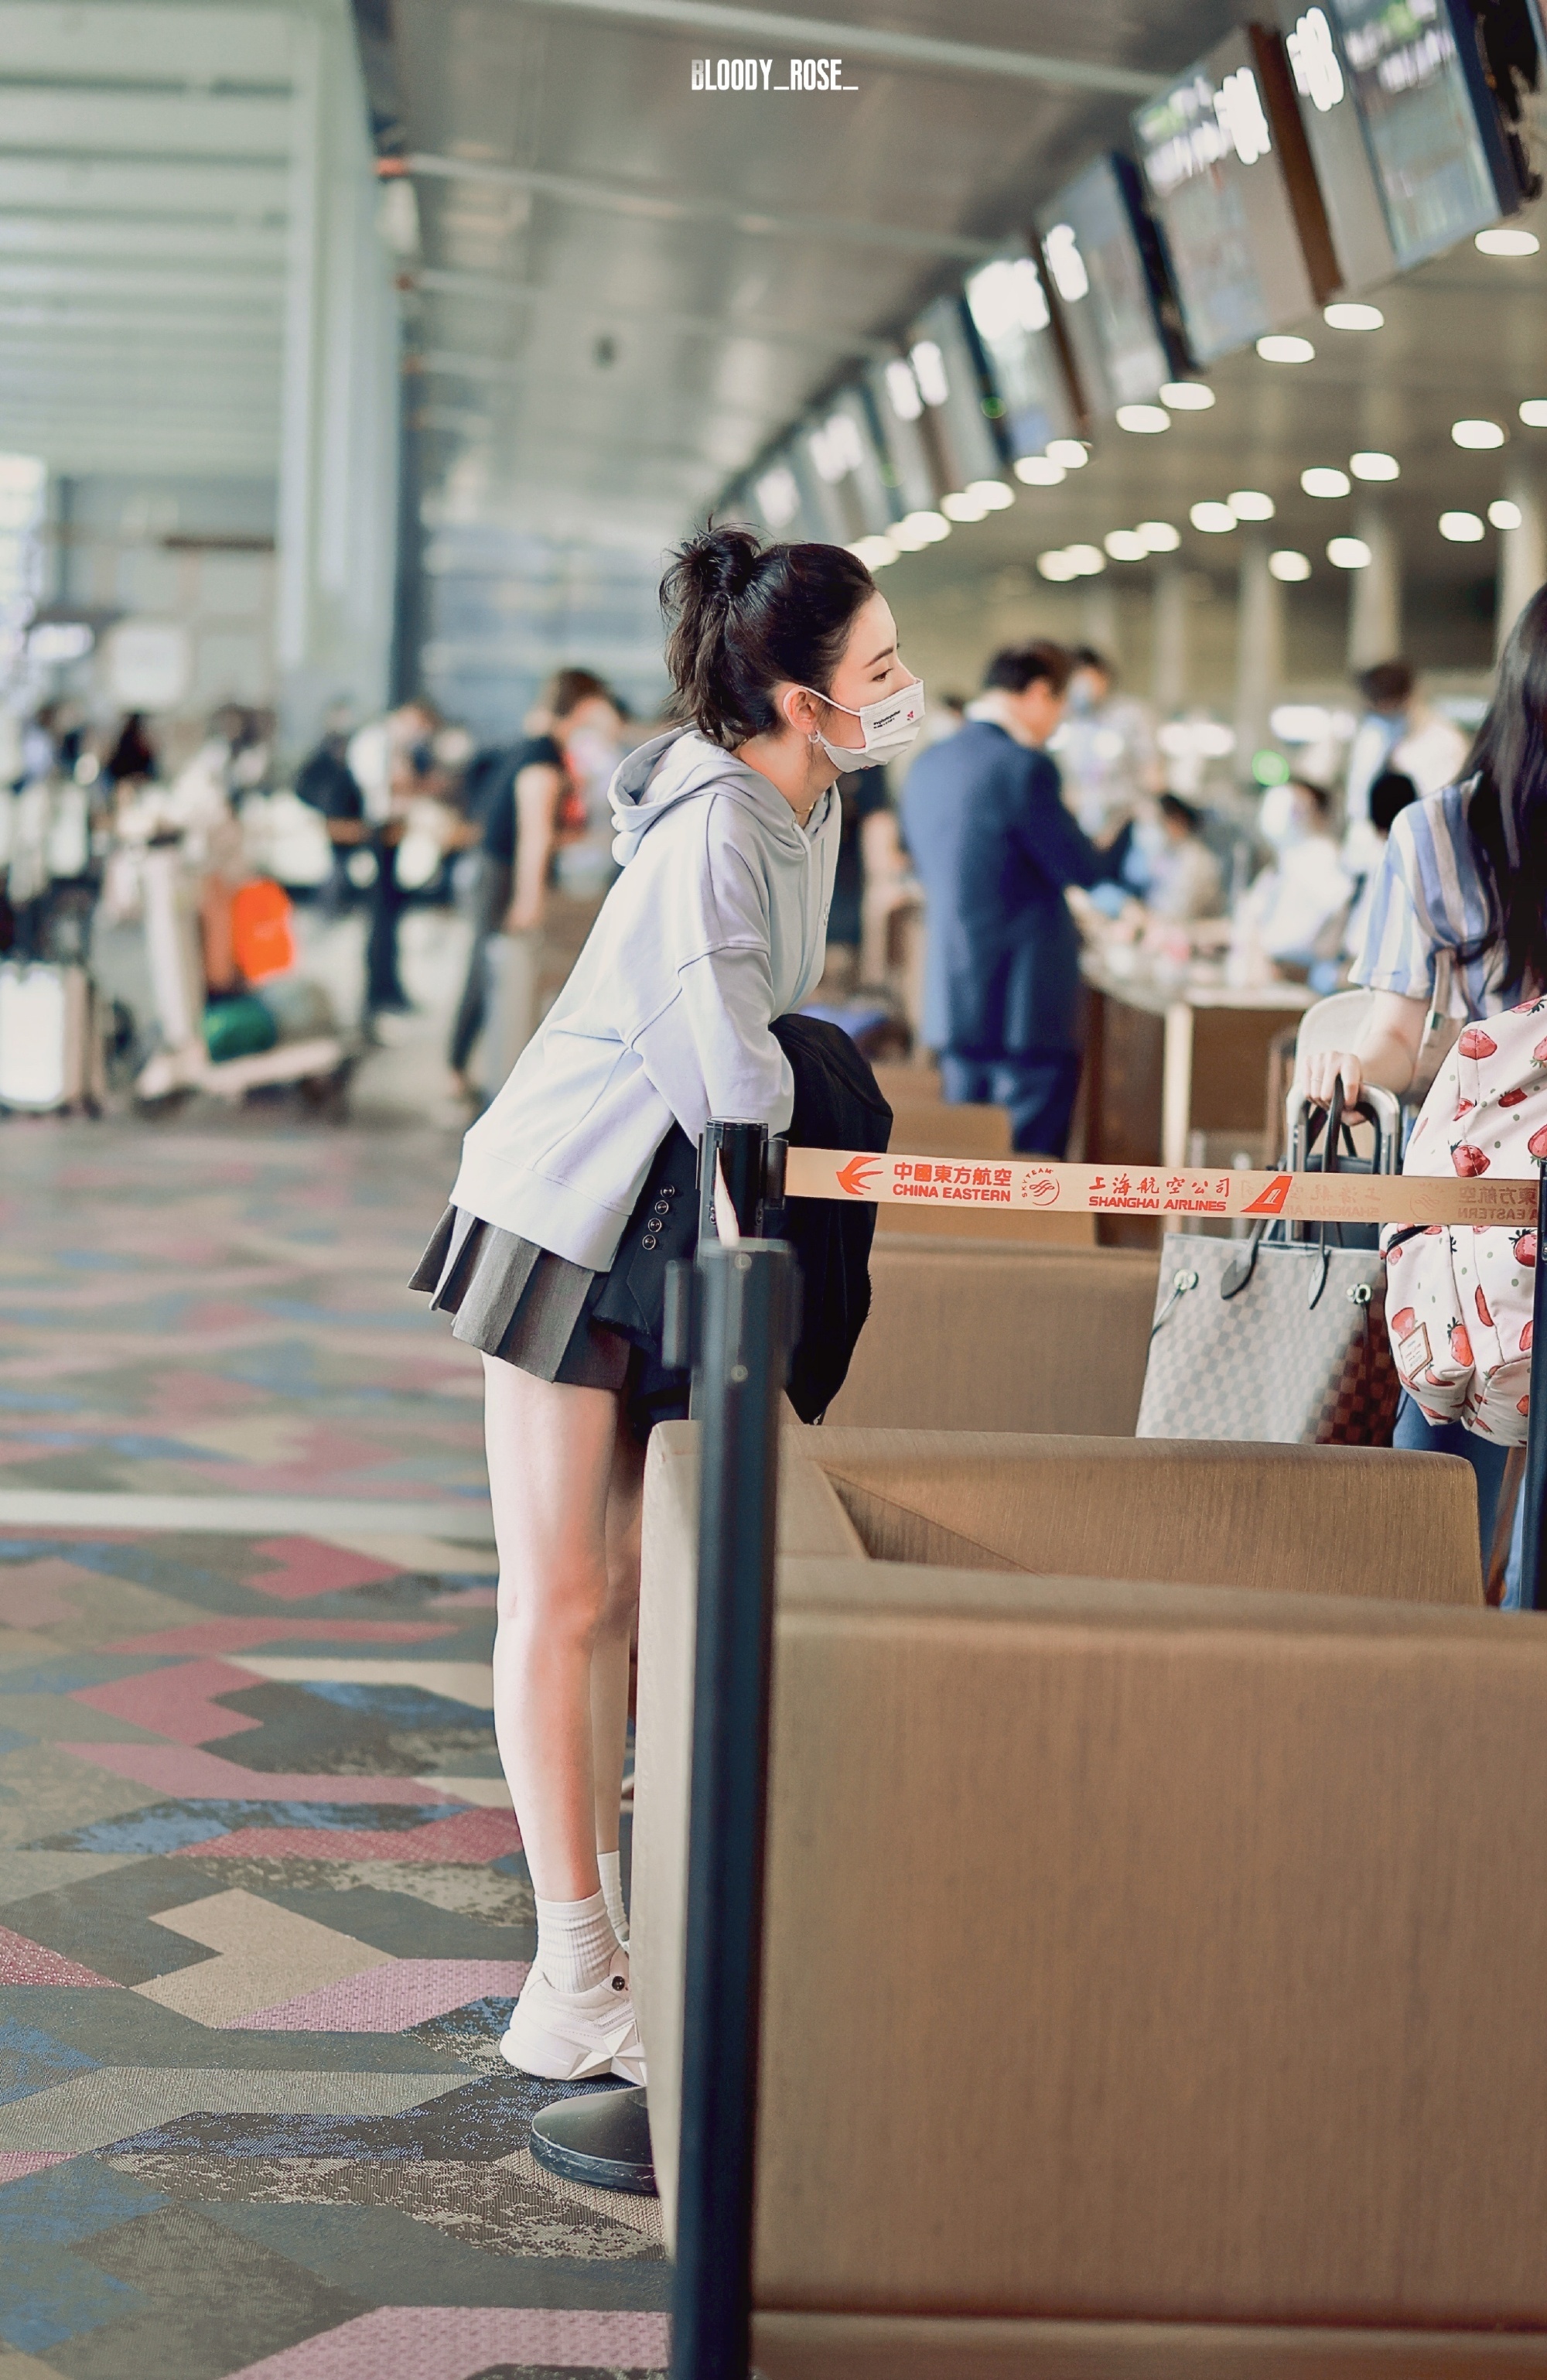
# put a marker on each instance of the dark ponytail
(746, 617)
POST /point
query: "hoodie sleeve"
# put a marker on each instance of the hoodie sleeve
(709, 1052)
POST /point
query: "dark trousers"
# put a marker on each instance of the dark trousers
(382, 986)
(488, 900)
(1038, 1086)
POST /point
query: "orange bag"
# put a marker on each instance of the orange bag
(261, 932)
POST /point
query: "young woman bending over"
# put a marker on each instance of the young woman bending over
(785, 660)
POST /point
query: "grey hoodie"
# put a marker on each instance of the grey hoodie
(717, 925)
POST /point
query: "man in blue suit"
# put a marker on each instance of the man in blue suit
(995, 849)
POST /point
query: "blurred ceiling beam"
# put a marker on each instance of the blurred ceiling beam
(821, 36)
(485, 286)
(621, 197)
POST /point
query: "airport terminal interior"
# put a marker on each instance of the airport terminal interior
(1083, 1929)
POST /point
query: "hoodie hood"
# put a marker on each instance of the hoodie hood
(679, 767)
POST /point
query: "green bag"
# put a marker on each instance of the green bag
(238, 1028)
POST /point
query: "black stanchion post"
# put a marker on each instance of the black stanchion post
(1533, 1546)
(747, 1306)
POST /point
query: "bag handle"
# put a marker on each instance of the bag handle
(1238, 1273)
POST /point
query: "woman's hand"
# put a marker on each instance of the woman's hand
(1322, 1070)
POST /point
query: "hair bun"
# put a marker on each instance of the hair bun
(722, 562)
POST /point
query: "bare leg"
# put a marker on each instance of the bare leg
(554, 1456)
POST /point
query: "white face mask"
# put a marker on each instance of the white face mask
(888, 727)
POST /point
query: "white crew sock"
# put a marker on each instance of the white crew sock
(610, 1865)
(575, 1942)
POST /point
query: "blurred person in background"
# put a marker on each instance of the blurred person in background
(1186, 880)
(1391, 794)
(1293, 913)
(521, 797)
(945, 715)
(994, 848)
(392, 760)
(1105, 748)
(133, 754)
(869, 856)
(326, 784)
(1398, 731)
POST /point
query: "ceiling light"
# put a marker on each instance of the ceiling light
(1277, 349)
(992, 494)
(1479, 434)
(1187, 395)
(1533, 413)
(1072, 452)
(1461, 528)
(962, 506)
(1353, 317)
(1159, 536)
(874, 551)
(1039, 471)
(1213, 519)
(1250, 504)
(1504, 514)
(1371, 464)
(1323, 480)
(1087, 559)
(1126, 545)
(1348, 553)
(1056, 566)
(1507, 243)
(1290, 565)
(920, 529)
(1143, 419)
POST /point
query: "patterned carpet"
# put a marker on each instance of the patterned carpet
(263, 1907)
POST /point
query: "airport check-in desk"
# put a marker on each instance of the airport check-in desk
(1150, 1969)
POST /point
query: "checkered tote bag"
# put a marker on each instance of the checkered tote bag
(1269, 1340)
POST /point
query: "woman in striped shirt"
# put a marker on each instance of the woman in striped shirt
(1465, 877)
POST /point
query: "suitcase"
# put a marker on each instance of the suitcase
(51, 1043)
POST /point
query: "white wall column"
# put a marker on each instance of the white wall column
(1522, 552)
(1168, 639)
(339, 406)
(1098, 628)
(1376, 593)
(1259, 650)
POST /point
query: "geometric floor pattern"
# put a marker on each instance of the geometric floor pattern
(263, 1907)
(260, 1930)
(221, 1309)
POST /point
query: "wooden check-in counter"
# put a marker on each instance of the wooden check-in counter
(1170, 1056)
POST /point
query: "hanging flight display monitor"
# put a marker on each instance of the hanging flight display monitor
(951, 380)
(912, 471)
(1231, 181)
(1438, 89)
(844, 448)
(1344, 167)
(1104, 260)
(1030, 384)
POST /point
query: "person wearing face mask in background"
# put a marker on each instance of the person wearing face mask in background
(1105, 747)
(994, 848)
(1294, 911)
(785, 662)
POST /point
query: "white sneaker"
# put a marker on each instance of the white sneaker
(574, 2037)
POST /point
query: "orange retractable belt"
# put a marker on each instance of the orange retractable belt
(965, 1184)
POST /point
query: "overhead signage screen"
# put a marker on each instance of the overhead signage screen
(1230, 178)
(950, 381)
(1014, 325)
(1443, 156)
(1102, 258)
(1344, 169)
